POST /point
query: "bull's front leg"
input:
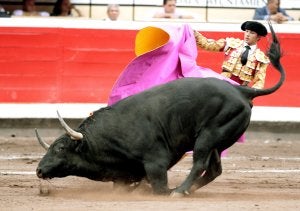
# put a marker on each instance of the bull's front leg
(158, 178)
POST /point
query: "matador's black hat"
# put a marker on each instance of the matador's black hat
(255, 26)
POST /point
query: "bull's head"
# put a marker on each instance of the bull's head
(62, 157)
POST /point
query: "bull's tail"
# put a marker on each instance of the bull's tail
(274, 53)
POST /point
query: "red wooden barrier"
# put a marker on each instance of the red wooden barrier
(69, 65)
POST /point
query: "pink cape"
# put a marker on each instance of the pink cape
(163, 54)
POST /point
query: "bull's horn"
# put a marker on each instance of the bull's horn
(44, 144)
(74, 134)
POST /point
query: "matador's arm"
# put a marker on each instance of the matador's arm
(209, 44)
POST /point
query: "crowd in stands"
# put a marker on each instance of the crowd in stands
(271, 11)
(63, 8)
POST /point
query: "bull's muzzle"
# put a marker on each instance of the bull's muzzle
(39, 173)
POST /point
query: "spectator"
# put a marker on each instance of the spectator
(4, 13)
(2, 8)
(65, 8)
(169, 11)
(29, 9)
(272, 11)
(244, 69)
(112, 12)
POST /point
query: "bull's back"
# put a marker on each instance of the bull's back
(170, 97)
(178, 107)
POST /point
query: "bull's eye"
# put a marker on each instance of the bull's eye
(59, 148)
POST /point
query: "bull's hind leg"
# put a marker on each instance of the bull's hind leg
(214, 170)
(206, 143)
(203, 151)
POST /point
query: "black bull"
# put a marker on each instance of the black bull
(144, 135)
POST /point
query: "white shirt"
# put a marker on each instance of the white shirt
(252, 48)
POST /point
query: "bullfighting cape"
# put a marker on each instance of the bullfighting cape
(163, 54)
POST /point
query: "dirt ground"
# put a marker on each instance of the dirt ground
(261, 174)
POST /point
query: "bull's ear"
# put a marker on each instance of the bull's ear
(81, 146)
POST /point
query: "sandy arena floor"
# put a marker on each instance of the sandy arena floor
(261, 174)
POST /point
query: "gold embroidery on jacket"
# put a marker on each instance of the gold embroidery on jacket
(255, 68)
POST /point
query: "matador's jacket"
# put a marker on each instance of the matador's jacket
(253, 71)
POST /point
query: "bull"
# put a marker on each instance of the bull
(144, 135)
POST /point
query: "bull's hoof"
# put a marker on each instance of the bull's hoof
(175, 194)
